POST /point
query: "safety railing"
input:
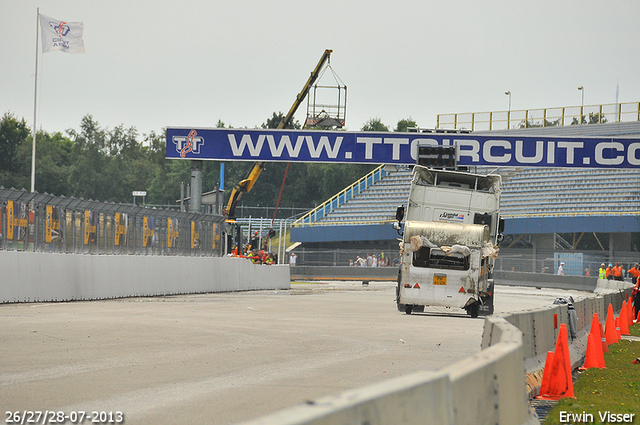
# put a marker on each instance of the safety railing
(340, 198)
(345, 223)
(571, 214)
(546, 117)
(47, 223)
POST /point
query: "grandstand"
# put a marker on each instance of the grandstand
(555, 191)
(538, 204)
(376, 204)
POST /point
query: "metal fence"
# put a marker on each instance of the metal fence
(545, 117)
(47, 223)
(520, 260)
(576, 262)
(345, 257)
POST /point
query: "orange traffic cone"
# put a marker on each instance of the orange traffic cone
(546, 373)
(638, 318)
(610, 328)
(560, 379)
(605, 346)
(630, 312)
(591, 359)
(597, 340)
(618, 333)
(623, 319)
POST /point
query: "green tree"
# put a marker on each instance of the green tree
(374, 124)
(15, 152)
(405, 124)
(275, 120)
(87, 174)
(54, 158)
(592, 118)
(538, 124)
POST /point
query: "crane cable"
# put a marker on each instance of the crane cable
(286, 171)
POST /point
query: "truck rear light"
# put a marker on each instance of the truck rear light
(471, 291)
(407, 285)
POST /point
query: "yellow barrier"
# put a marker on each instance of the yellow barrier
(545, 117)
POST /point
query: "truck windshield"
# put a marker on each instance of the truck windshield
(437, 259)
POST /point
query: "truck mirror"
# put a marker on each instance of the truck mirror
(400, 213)
(501, 225)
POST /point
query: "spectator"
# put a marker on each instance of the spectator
(374, 261)
(609, 271)
(369, 260)
(561, 271)
(586, 272)
(293, 259)
(602, 273)
(617, 272)
(636, 301)
(634, 272)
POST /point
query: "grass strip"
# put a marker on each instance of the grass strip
(615, 389)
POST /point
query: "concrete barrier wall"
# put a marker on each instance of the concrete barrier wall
(544, 280)
(540, 327)
(36, 276)
(343, 273)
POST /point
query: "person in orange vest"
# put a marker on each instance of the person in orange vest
(636, 300)
(617, 272)
(634, 272)
(609, 271)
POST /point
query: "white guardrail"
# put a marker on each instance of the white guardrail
(491, 387)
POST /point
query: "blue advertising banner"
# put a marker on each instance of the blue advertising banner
(398, 148)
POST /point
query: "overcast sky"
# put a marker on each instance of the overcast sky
(153, 64)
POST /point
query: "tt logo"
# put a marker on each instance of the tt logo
(189, 143)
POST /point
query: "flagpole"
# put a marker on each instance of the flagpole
(35, 108)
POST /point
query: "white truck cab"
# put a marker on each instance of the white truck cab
(449, 242)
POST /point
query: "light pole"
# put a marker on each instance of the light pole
(581, 88)
(508, 93)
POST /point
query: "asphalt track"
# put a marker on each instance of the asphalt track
(226, 357)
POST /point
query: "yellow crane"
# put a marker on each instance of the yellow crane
(246, 184)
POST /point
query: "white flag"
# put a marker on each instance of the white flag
(61, 35)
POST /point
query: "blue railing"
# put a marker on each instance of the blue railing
(341, 198)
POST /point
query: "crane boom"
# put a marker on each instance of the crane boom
(286, 122)
(247, 183)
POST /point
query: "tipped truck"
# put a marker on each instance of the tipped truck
(449, 241)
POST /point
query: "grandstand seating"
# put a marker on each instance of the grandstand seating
(377, 203)
(556, 191)
(525, 191)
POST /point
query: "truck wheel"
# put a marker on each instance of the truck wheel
(418, 308)
(400, 307)
(473, 310)
(408, 309)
